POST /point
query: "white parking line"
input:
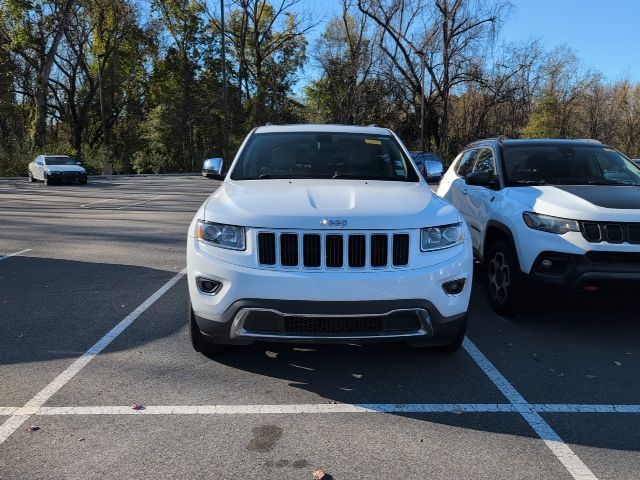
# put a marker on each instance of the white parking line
(15, 254)
(22, 414)
(138, 203)
(320, 408)
(560, 449)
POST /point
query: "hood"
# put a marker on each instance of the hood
(303, 204)
(64, 168)
(582, 202)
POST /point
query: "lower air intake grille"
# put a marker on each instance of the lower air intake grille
(274, 323)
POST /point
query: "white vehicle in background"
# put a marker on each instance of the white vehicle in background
(57, 169)
(558, 213)
(324, 233)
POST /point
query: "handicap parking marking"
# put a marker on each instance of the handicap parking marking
(22, 415)
(15, 254)
(558, 447)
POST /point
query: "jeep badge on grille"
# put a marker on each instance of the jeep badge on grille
(332, 222)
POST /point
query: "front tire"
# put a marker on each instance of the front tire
(46, 179)
(31, 179)
(198, 342)
(504, 279)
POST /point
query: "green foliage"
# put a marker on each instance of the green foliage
(545, 120)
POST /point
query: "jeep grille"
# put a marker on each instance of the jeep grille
(333, 250)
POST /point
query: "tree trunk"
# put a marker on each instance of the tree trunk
(42, 85)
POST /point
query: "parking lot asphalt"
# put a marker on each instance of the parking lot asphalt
(93, 320)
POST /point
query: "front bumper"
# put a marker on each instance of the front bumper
(595, 271)
(251, 320)
(68, 177)
(328, 298)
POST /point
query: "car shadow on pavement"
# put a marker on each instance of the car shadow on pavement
(54, 309)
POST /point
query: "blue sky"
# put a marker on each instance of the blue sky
(604, 34)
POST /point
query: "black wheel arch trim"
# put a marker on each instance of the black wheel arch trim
(504, 229)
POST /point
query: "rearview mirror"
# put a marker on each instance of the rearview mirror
(212, 168)
(481, 179)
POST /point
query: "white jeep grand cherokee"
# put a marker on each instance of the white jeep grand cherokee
(560, 213)
(324, 233)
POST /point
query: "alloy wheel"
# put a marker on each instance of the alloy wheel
(499, 278)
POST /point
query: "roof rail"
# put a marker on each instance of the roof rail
(499, 139)
(591, 140)
(268, 124)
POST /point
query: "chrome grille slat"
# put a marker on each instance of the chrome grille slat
(333, 250)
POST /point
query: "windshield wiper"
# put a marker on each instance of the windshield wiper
(611, 182)
(527, 182)
(352, 176)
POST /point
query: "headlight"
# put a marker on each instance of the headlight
(546, 223)
(225, 236)
(445, 236)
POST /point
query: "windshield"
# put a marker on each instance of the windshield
(59, 161)
(323, 155)
(567, 165)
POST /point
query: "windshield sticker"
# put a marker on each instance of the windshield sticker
(372, 141)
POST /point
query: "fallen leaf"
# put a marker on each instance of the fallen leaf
(356, 375)
(137, 406)
(591, 376)
(561, 374)
(81, 440)
(456, 412)
(552, 370)
(33, 428)
(319, 474)
(617, 364)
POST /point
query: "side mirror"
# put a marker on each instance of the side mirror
(481, 179)
(212, 168)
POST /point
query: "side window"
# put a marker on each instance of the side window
(466, 163)
(485, 162)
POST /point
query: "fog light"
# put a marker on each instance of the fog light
(208, 286)
(454, 287)
(546, 264)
